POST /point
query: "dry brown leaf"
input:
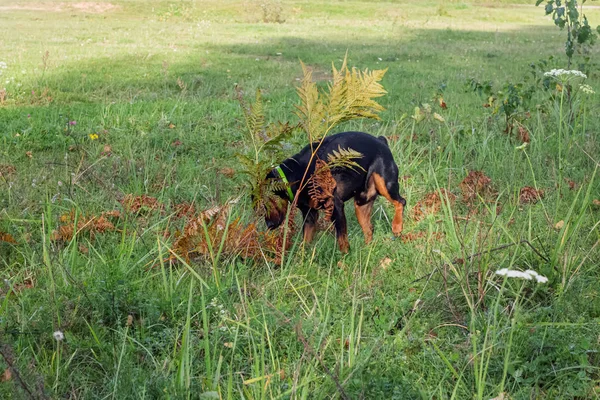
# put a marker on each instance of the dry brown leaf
(559, 225)
(184, 210)
(596, 202)
(134, 204)
(171, 126)
(385, 263)
(475, 184)
(572, 184)
(228, 172)
(523, 134)
(6, 170)
(212, 227)
(106, 151)
(6, 375)
(530, 195)
(85, 223)
(7, 237)
(29, 154)
(431, 204)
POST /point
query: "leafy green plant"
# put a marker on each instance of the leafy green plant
(265, 150)
(512, 101)
(349, 96)
(580, 36)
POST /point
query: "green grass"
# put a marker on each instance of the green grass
(322, 325)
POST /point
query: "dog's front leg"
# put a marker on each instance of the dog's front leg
(310, 217)
(339, 221)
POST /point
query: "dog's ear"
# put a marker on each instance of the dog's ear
(384, 140)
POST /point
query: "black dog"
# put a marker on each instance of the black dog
(378, 175)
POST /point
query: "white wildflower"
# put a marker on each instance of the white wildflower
(539, 278)
(529, 275)
(511, 273)
(59, 336)
(587, 89)
(564, 74)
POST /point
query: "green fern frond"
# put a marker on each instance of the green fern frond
(277, 185)
(265, 149)
(276, 134)
(344, 158)
(311, 109)
(349, 96)
(257, 117)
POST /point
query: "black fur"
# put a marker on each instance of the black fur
(351, 183)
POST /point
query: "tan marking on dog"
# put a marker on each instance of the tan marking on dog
(363, 214)
(397, 222)
(309, 232)
(343, 243)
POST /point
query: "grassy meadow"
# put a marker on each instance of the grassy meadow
(102, 100)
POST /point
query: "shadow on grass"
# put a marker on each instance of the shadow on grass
(416, 59)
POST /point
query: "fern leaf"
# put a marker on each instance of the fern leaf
(311, 110)
(276, 134)
(257, 117)
(344, 158)
(321, 187)
(350, 95)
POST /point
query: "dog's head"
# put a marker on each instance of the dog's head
(275, 210)
(276, 204)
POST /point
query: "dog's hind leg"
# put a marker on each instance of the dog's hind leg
(309, 228)
(390, 190)
(339, 221)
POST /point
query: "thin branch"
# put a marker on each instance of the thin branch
(4, 350)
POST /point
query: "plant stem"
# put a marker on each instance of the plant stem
(560, 127)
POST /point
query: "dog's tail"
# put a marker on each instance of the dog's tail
(384, 140)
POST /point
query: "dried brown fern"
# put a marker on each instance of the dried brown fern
(432, 203)
(7, 238)
(71, 223)
(476, 184)
(321, 186)
(528, 194)
(213, 227)
(135, 204)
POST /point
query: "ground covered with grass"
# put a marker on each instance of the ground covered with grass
(119, 124)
